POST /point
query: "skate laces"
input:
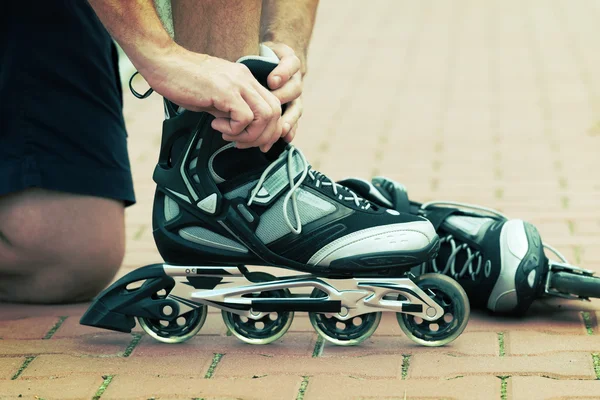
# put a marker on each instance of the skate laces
(450, 267)
(319, 179)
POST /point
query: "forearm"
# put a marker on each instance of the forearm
(135, 25)
(290, 22)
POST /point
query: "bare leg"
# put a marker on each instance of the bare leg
(227, 29)
(58, 247)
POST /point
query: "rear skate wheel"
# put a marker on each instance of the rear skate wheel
(350, 332)
(452, 298)
(267, 329)
(178, 330)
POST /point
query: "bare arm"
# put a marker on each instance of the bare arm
(286, 27)
(135, 25)
(290, 22)
(245, 111)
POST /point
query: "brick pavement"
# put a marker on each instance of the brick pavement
(491, 102)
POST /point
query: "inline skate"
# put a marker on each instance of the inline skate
(500, 262)
(219, 210)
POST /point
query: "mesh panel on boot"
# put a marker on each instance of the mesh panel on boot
(171, 208)
(272, 226)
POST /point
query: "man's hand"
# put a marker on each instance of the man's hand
(245, 112)
(286, 83)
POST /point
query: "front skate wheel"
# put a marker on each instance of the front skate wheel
(270, 326)
(348, 332)
(182, 328)
(452, 298)
(576, 284)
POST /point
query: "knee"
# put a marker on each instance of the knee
(71, 278)
(58, 248)
(82, 277)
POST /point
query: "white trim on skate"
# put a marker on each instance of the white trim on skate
(208, 204)
(218, 179)
(513, 248)
(183, 166)
(181, 196)
(408, 236)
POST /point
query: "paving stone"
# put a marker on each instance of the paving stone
(291, 344)
(379, 366)
(60, 388)
(25, 311)
(539, 388)
(469, 343)
(560, 365)
(108, 344)
(26, 328)
(58, 366)
(533, 343)
(541, 318)
(130, 387)
(347, 388)
(9, 366)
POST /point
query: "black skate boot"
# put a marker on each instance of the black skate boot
(500, 262)
(218, 208)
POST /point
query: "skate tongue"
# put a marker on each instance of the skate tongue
(230, 163)
(262, 65)
(381, 191)
(394, 191)
(232, 168)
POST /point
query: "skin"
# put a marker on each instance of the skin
(60, 248)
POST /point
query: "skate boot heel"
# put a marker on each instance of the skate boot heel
(101, 316)
(117, 305)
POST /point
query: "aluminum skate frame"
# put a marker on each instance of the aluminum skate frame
(345, 298)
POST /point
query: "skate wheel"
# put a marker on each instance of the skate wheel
(350, 332)
(182, 328)
(270, 326)
(452, 298)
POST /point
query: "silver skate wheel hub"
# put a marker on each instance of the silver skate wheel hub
(343, 312)
(431, 312)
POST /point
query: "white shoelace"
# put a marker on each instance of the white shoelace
(291, 194)
(471, 255)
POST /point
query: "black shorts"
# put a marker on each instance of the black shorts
(61, 120)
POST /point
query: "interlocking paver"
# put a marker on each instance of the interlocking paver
(60, 388)
(542, 317)
(538, 388)
(58, 365)
(27, 328)
(561, 365)
(132, 386)
(469, 343)
(291, 344)
(526, 343)
(379, 366)
(101, 345)
(9, 366)
(346, 388)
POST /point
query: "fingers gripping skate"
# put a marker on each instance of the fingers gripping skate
(258, 308)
